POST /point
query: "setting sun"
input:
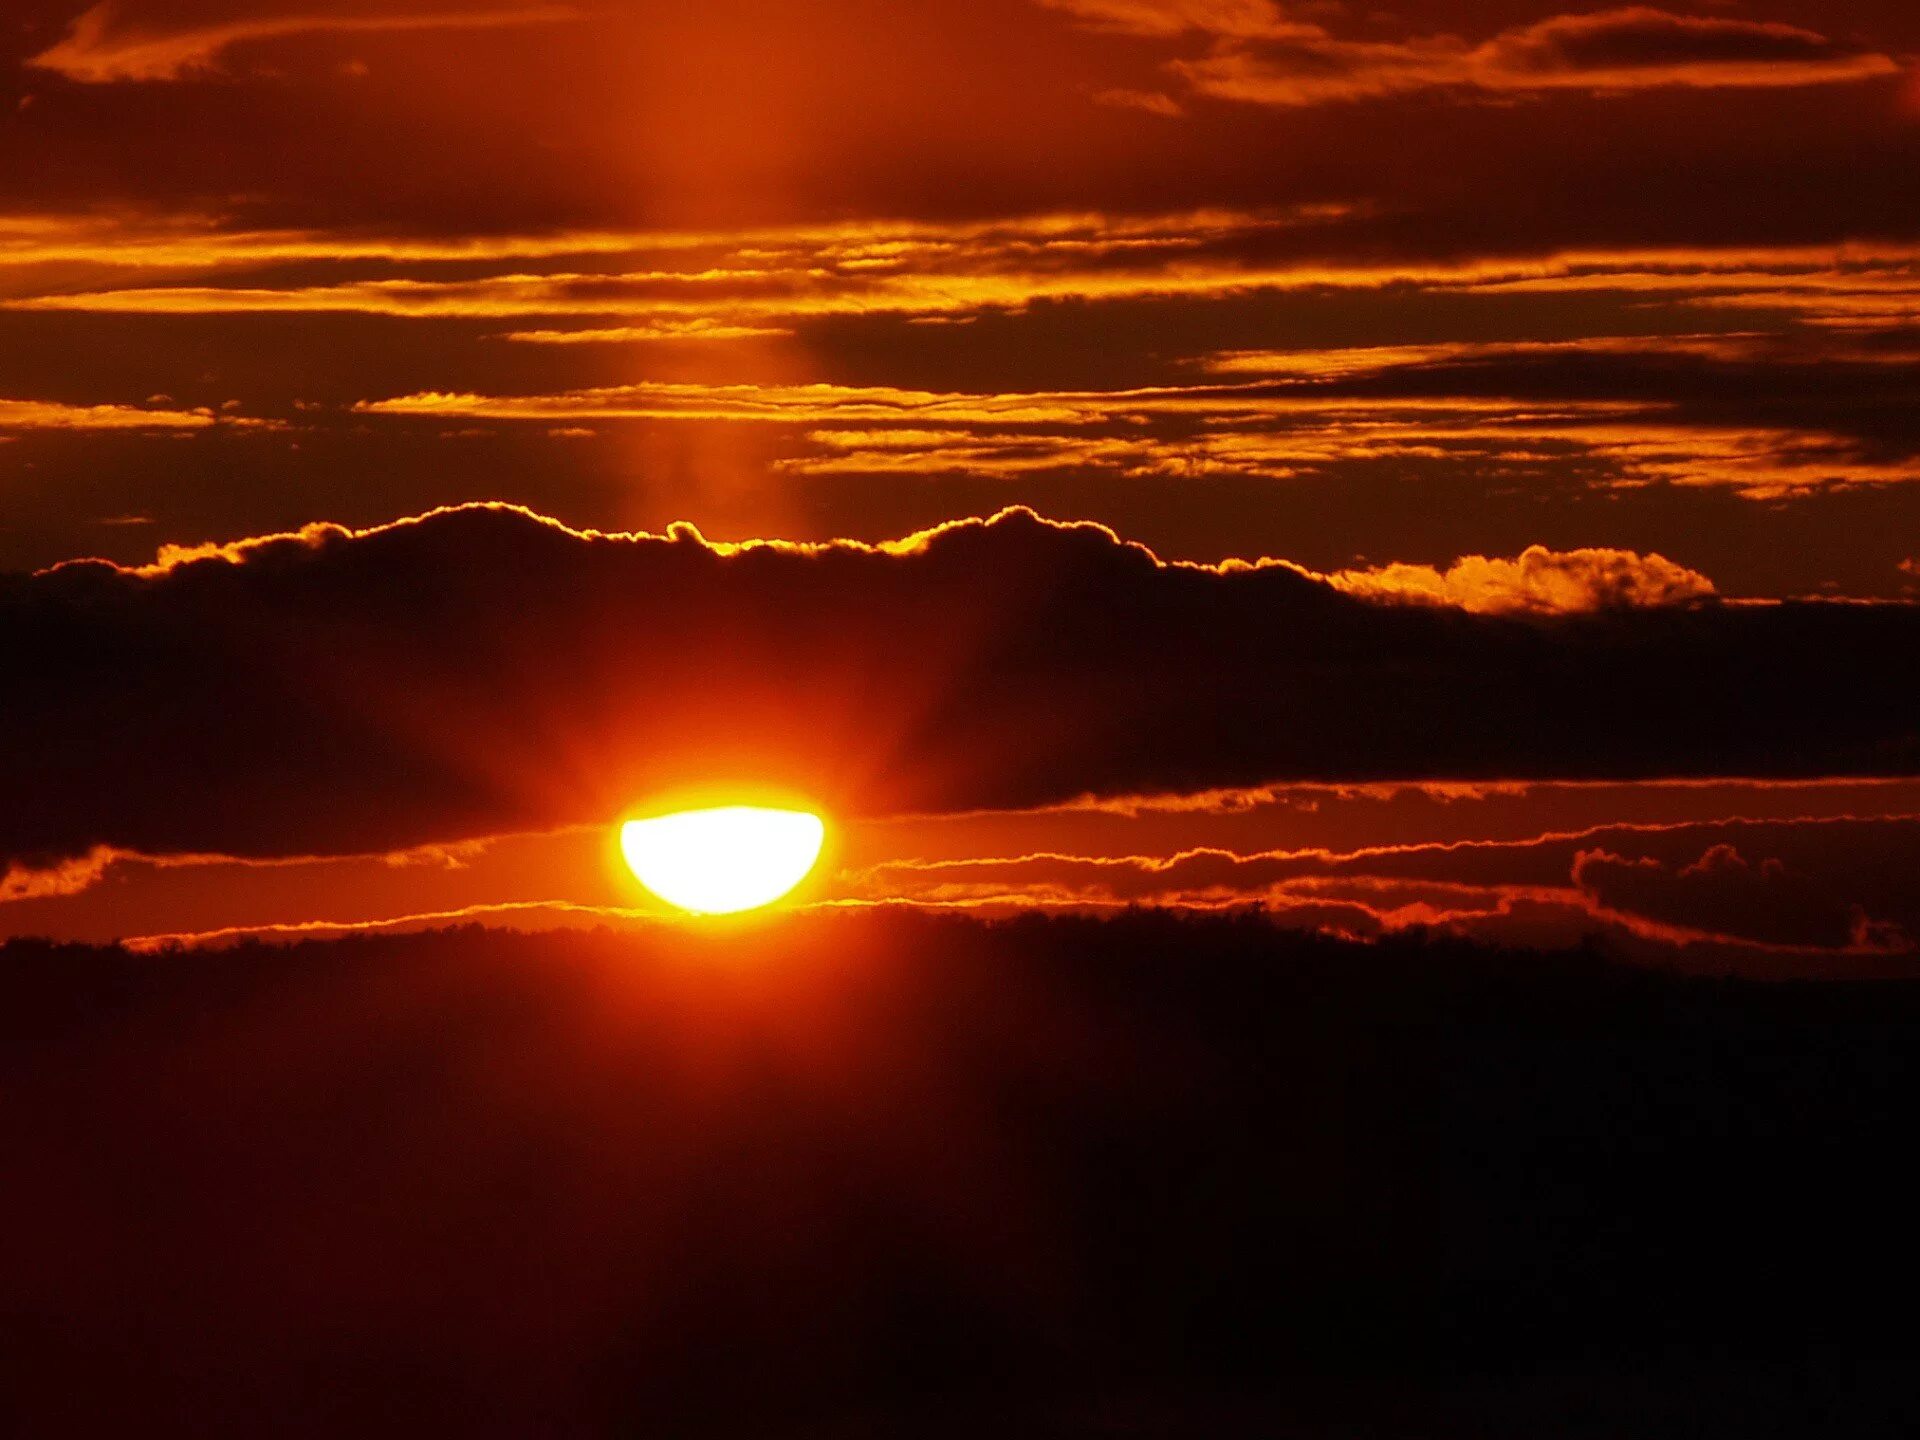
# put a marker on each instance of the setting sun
(726, 860)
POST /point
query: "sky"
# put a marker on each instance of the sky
(1417, 465)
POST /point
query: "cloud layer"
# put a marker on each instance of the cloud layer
(483, 670)
(1340, 383)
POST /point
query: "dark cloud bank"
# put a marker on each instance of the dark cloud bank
(483, 670)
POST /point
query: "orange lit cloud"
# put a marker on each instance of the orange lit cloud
(1151, 102)
(1175, 17)
(1277, 429)
(1261, 56)
(530, 914)
(1765, 415)
(748, 279)
(100, 48)
(1640, 45)
(23, 881)
(27, 880)
(51, 415)
(1539, 580)
(1681, 883)
(696, 329)
(669, 284)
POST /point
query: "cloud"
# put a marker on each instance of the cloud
(1686, 413)
(778, 277)
(1725, 893)
(1826, 400)
(24, 880)
(195, 242)
(515, 914)
(1639, 45)
(752, 277)
(1820, 885)
(100, 48)
(483, 670)
(1153, 102)
(53, 415)
(1540, 580)
(661, 330)
(1258, 55)
(1174, 17)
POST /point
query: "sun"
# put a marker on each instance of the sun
(725, 860)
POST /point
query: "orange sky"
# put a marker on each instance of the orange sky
(1512, 313)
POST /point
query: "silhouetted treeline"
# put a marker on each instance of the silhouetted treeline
(886, 1174)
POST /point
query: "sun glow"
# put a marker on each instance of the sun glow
(726, 860)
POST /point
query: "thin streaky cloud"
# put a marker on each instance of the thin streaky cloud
(1787, 883)
(55, 415)
(98, 49)
(1167, 18)
(1248, 428)
(432, 919)
(1260, 55)
(907, 271)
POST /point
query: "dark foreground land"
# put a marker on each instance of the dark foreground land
(889, 1176)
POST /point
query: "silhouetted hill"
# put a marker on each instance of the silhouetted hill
(883, 1174)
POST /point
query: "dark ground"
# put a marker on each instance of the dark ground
(891, 1176)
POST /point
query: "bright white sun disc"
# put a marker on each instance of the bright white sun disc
(720, 862)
